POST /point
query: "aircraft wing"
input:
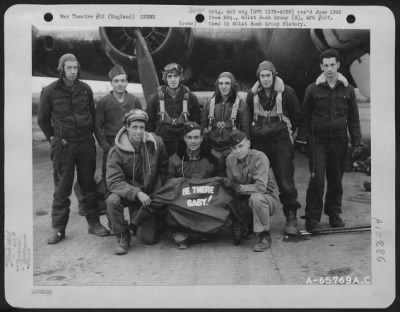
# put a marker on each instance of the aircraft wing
(203, 53)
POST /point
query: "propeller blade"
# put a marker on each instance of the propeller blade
(146, 68)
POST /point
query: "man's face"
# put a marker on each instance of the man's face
(71, 70)
(173, 79)
(266, 78)
(119, 83)
(242, 149)
(330, 67)
(136, 131)
(224, 86)
(193, 139)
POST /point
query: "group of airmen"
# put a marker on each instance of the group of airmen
(248, 143)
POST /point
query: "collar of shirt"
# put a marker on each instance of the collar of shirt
(193, 155)
(245, 161)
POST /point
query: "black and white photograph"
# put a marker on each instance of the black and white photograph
(229, 154)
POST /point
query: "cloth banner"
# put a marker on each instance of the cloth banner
(201, 205)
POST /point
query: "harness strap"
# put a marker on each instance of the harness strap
(164, 114)
(185, 111)
(278, 103)
(289, 126)
(211, 113)
(235, 109)
(223, 124)
(259, 111)
(162, 102)
(256, 113)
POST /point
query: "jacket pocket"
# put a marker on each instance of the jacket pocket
(342, 102)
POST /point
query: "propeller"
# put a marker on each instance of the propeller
(147, 71)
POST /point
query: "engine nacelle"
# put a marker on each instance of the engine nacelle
(165, 45)
(342, 39)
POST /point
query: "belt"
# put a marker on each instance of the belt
(270, 118)
(222, 124)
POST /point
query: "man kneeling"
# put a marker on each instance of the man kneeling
(252, 180)
(136, 166)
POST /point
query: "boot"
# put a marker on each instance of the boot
(98, 229)
(263, 242)
(56, 236)
(182, 245)
(312, 225)
(247, 232)
(335, 221)
(236, 232)
(291, 223)
(124, 240)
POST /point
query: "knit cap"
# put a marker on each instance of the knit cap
(115, 71)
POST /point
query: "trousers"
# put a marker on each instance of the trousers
(220, 161)
(110, 140)
(326, 157)
(148, 230)
(280, 153)
(262, 207)
(67, 156)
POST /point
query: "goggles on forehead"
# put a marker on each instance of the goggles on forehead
(173, 66)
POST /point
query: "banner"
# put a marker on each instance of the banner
(200, 205)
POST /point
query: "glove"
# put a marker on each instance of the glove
(357, 152)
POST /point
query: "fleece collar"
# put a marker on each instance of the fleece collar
(122, 140)
(322, 79)
(279, 86)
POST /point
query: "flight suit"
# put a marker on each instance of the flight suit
(226, 117)
(67, 115)
(271, 132)
(328, 115)
(167, 116)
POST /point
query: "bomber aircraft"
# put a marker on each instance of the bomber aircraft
(203, 53)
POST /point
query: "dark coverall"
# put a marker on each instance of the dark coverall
(221, 128)
(327, 116)
(171, 129)
(272, 135)
(67, 114)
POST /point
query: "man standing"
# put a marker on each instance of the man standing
(111, 109)
(66, 117)
(329, 111)
(250, 177)
(224, 113)
(136, 167)
(171, 107)
(275, 111)
(191, 160)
